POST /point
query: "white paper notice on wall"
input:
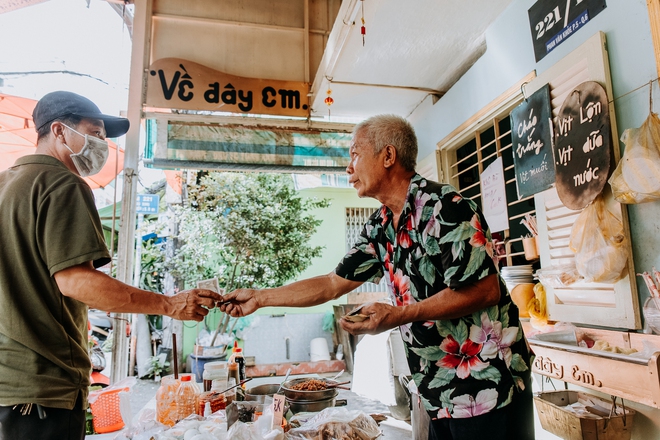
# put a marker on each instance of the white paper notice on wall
(493, 196)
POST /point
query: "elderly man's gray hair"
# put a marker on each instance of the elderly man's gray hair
(382, 130)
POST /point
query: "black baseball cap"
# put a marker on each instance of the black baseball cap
(59, 104)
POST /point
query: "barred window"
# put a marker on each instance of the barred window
(355, 221)
(484, 146)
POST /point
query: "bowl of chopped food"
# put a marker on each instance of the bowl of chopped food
(310, 389)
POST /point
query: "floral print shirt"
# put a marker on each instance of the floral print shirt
(462, 367)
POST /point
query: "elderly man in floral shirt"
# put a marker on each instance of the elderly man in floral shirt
(464, 342)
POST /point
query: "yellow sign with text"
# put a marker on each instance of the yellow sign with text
(180, 84)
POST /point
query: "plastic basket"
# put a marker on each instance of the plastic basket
(106, 412)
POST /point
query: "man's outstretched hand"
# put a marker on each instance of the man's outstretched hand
(380, 317)
(193, 304)
(240, 302)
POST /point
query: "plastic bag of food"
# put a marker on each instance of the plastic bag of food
(249, 431)
(536, 307)
(597, 239)
(336, 424)
(562, 275)
(636, 178)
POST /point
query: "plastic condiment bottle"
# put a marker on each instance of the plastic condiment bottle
(232, 367)
(186, 397)
(237, 357)
(240, 360)
(166, 409)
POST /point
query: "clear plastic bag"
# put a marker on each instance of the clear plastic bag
(558, 276)
(636, 178)
(597, 239)
(336, 424)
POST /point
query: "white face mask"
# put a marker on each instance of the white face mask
(92, 156)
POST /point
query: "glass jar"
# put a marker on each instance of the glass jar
(216, 400)
(230, 395)
(215, 371)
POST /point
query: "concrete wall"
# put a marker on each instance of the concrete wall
(266, 340)
(510, 56)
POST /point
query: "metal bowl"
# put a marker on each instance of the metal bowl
(260, 392)
(297, 406)
(308, 396)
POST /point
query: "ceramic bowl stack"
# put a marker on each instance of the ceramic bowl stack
(514, 275)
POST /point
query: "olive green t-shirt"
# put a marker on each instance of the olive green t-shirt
(49, 223)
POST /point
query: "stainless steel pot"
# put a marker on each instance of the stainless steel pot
(308, 396)
(297, 406)
(260, 392)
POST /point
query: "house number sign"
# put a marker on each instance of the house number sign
(553, 21)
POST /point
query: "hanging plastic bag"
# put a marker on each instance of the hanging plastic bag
(598, 240)
(636, 178)
(537, 308)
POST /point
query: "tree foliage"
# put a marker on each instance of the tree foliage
(248, 230)
(152, 268)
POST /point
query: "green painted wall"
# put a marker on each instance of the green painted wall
(331, 235)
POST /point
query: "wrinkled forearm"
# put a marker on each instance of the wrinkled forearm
(102, 292)
(451, 304)
(307, 293)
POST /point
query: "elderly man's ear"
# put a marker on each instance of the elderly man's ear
(389, 156)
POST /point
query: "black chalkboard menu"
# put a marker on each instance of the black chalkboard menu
(531, 136)
(553, 21)
(582, 145)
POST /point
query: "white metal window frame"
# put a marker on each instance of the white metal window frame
(356, 218)
(487, 118)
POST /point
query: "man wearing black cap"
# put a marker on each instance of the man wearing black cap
(50, 245)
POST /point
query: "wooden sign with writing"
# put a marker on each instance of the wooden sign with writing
(531, 137)
(582, 145)
(597, 370)
(180, 84)
(553, 21)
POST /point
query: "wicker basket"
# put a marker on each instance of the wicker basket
(106, 412)
(570, 426)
